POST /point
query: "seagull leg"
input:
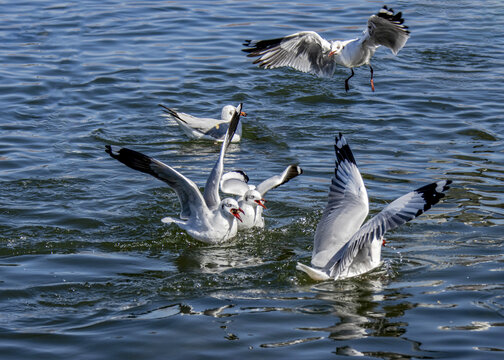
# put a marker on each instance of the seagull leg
(346, 81)
(372, 82)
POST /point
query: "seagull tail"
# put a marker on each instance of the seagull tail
(173, 113)
(313, 273)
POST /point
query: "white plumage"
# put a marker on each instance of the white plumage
(342, 247)
(203, 216)
(251, 198)
(307, 51)
(206, 128)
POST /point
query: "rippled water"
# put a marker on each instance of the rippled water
(87, 269)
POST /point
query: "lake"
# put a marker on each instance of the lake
(87, 269)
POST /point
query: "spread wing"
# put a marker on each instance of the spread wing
(398, 212)
(235, 183)
(211, 192)
(188, 193)
(289, 173)
(346, 209)
(387, 29)
(305, 51)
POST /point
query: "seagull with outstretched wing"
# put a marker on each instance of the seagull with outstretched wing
(308, 52)
(205, 217)
(343, 247)
(251, 198)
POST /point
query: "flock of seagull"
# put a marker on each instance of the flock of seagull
(343, 246)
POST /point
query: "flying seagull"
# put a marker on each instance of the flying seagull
(307, 51)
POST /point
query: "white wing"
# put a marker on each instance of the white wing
(188, 193)
(211, 192)
(289, 173)
(235, 183)
(346, 209)
(387, 29)
(398, 212)
(305, 51)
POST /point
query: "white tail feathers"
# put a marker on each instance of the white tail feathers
(313, 273)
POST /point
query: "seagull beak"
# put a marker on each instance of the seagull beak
(331, 53)
(261, 203)
(236, 213)
(243, 113)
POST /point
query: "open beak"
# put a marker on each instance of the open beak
(236, 213)
(261, 203)
(243, 113)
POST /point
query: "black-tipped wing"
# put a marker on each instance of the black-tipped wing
(387, 29)
(173, 113)
(211, 192)
(234, 182)
(289, 173)
(347, 206)
(398, 212)
(211, 127)
(305, 51)
(188, 193)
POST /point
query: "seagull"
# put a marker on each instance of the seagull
(251, 198)
(205, 128)
(342, 247)
(205, 217)
(307, 51)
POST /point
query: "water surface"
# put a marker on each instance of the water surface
(87, 269)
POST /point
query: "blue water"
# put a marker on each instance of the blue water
(88, 271)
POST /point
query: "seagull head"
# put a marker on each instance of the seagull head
(228, 111)
(335, 48)
(254, 198)
(230, 206)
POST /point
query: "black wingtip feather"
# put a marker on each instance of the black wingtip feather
(244, 174)
(255, 48)
(171, 112)
(397, 19)
(132, 159)
(293, 171)
(343, 151)
(233, 125)
(432, 193)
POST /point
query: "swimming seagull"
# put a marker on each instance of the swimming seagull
(307, 51)
(205, 128)
(203, 216)
(342, 247)
(251, 198)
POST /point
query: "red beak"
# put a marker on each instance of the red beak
(243, 113)
(236, 213)
(261, 203)
(331, 53)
